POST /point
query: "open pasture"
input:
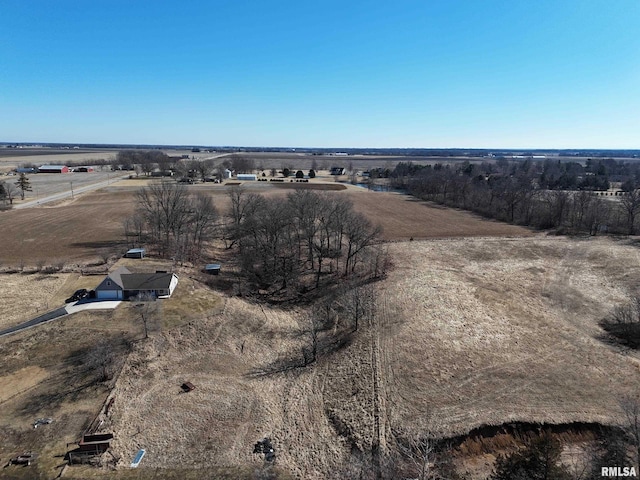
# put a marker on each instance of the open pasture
(470, 332)
(502, 330)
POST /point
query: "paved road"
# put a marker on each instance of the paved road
(62, 195)
(47, 317)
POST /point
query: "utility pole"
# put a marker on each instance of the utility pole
(71, 190)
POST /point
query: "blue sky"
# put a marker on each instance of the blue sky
(425, 73)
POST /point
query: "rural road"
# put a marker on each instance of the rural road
(86, 188)
(62, 195)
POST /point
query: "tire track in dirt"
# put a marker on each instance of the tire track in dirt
(381, 352)
(378, 443)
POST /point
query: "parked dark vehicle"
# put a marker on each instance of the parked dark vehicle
(78, 295)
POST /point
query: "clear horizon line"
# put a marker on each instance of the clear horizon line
(193, 145)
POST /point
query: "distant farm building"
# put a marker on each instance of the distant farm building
(247, 176)
(122, 284)
(83, 169)
(337, 171)
(26, 170)
(135, 253)
(53, 169)
(227, 173)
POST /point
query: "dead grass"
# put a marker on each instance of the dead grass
(25, 296)
(20, 381)
(472, 331)
(43, 375)
(498, 331)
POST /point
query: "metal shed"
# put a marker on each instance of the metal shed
(135, 253)
(247, 176)
(212, 269)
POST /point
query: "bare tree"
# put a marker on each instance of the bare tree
(421, 448)
(149, 311)
(242, 164)
(202, 223)
(165, 208)
(10, 191)
(358, 303)
(630, 204)
(624, 323)
(360, 235)
(244, 206)
(134, 228)
(581, 203)
(205, 168)
(101, 359)
(630, 405)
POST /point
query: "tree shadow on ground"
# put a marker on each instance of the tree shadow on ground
(304, 357)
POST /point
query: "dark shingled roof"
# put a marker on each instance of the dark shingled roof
(116, 275)
(146, 281)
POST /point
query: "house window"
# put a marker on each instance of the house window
(108, 283)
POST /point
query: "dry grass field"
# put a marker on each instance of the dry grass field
(43, 374)
(506, 330)
(478, 323)
(470, 332)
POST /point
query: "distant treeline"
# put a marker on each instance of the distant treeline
(567, 196)
(412, 152)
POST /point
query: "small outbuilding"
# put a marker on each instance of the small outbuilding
(247, 176)
(53, 169)
(212, 268)
(135, 253)
(95, 443)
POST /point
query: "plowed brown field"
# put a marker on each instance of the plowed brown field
(77, 232)
(403, 217)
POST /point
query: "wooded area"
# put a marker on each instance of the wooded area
(303, 241)
(567, 196)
